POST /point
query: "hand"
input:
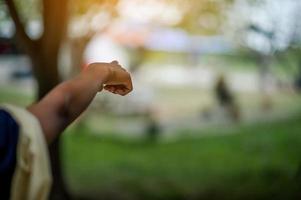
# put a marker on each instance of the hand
(116, 79)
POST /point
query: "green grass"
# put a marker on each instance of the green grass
(15, 96)
(251, 162)
(244, 162)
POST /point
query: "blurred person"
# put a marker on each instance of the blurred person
(226, 98)
(25, 133)
(144, 95)
(298, 84)
(153, 128)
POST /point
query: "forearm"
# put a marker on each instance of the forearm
(66, 102)
(79, 93)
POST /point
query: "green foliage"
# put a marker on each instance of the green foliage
(29, 9)
(3, 12)
(79, 7)
(204, 17)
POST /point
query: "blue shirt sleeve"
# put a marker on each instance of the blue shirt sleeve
(9, 133)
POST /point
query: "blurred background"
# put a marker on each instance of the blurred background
(215, 112)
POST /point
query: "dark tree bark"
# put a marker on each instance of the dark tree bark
(47, 78)
(44, 53)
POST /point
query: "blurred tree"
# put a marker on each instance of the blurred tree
(44, 54)
(204, 17)
(44, 51)
(267, 29)
(276, 32)
(85, 23)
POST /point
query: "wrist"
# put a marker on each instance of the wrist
(101, 73)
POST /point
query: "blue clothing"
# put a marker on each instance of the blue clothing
(9, 133)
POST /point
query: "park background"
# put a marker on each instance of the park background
(174, 136)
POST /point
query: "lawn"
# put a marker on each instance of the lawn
(249, 162)
(244, 162)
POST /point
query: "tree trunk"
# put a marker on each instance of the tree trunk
(47, 75)
(59, 189)
(44, 56)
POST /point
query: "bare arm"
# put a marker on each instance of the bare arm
(67, 101)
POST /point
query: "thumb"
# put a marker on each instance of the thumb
(115, 62)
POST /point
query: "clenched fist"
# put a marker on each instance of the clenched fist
(113, 77)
